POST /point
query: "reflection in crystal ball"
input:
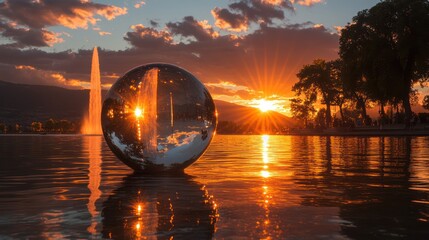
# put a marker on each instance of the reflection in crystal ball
(158, 117)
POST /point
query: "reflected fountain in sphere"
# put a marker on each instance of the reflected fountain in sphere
(158, 117)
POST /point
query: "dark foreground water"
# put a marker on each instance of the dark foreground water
(244, 187)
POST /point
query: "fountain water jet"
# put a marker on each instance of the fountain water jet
(92, 124)
(147, 102)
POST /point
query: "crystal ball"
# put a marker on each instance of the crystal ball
(158, 117)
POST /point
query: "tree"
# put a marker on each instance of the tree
(49, 125)
(426, 102)
(320, 118)
(303, 109)
(389, 47)
(355, 86)
(341, 95)
(36, 126)
(318, 78)
(65, 126)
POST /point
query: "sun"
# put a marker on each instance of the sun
(265, 105)
(138, 112)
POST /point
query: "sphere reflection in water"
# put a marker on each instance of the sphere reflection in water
(158, 117)
(163, 207)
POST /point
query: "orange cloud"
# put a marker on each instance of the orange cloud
(240, 14)
(31, 75)
(101, 33)
(111, 12)
(72, 13)
(51, 38)
(307, 2)
(150, 35)
(139, 4)
(257, 65)
(232, 87)
(24, 67)
(338, 29)
(273, 2)
(234, 24)
(68, 82)
(190, 27)
(25, 36)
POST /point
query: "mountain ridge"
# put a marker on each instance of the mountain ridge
(42, 102)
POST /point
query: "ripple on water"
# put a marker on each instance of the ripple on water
(280, 187)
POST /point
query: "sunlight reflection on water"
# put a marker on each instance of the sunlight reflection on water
(280, 187)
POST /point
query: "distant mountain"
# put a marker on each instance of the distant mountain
(23, 103)
(26, 103)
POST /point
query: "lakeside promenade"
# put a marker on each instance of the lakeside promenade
(385, 130)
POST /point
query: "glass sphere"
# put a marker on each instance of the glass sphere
(158, 117)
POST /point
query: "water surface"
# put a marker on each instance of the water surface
(279, 187)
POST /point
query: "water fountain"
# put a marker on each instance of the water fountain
(92, 123)
(147, 105)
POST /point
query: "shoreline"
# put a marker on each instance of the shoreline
(381, 133)
(324, 133)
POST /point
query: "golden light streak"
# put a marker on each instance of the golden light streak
(265, 158)
(265, 174)
(266, 196)
(94, 179)
(139, 209)
(265, 145)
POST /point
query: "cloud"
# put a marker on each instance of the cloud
(225, 19)
(307, 2)
(101, 33)
(26, 74)
(24, 67)
(190, 27)
(25, 21)
(71, 13)
(339, 29)
(257, 65)
(139, 4)
(142, 36)
(233, 90)
(240, 14)
(24, 36)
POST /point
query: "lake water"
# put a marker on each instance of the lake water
(244, 187)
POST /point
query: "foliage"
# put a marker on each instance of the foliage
(424, 117)
(62, 126)
(426, 102)
(386, 50)
(303, 109)
(320, 78)
(320, 119)
(36, 126)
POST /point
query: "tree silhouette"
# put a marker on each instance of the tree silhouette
(426, 102)
(388, 45)
(303, 109)
(319, 78)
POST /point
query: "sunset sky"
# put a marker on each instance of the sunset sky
(243, 51)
